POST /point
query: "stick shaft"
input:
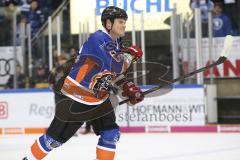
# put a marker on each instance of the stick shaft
(219, 61)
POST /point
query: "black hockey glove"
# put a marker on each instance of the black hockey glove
(104, 86)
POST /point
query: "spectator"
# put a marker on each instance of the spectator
(14, 2)
(7, 22)
(231, 11)
(56, 74)
(22, 23)
(46, 7)
(40, 80)
(221, 22)
(56, 57)
(25, 7)
(21, 79)
(36, 17)
(62, 59)
(205, 7)
(73, 51)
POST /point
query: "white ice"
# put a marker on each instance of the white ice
(181, 146)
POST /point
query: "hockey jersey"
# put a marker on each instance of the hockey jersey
(99, 56)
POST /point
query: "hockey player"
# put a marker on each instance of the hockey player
(93, 75)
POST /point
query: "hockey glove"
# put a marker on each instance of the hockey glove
(133, 92)
(135, 52)
(103, 86)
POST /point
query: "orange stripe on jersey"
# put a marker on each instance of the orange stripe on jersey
(87, 66)
(79, 93)
(37, 151)
(104, 154)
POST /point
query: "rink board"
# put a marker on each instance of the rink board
(142, 129)
(181, 110)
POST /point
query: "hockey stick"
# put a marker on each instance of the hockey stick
(225, 52)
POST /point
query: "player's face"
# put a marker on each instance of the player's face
(118, 27)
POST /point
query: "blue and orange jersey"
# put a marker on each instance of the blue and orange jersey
(98, 56)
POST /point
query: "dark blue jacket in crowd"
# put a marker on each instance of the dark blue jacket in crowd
(221, 26)
(36, 19)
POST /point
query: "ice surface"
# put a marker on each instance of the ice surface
(180, 146)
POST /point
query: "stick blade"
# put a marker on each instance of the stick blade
(227, 46)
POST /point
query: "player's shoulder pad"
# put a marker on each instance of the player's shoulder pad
(99, 38)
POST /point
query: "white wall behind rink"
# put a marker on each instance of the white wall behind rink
(35, 108)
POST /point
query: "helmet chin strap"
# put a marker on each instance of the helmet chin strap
(108, 30)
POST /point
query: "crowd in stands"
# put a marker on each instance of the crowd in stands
(40, 71)
(226, 16)
(38, 80)
(40, 76)
(34, 12)
(226, 20)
